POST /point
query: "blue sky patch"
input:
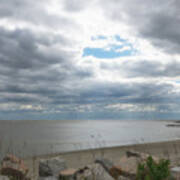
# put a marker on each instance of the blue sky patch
(118, 38)
(100, 37)
(101, 53)
(111, 50)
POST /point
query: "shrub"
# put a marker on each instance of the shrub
(151, 170)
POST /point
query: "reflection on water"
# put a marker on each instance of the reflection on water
(26, 138)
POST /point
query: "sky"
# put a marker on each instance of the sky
(98, 59)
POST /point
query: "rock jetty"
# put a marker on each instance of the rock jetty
(14, 168)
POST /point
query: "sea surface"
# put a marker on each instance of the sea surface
(31, 138)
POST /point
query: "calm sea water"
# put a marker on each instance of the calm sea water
(27, 138)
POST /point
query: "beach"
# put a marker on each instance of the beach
(82, 142)
(78, 159)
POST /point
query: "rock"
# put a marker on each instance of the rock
(175, 171)
(4, 177)
(120, 170)
(51, 167)
(67, 174)
(132, 154)
(105, 163)
(91, 172)
(44, 169)
(14, 167)
(140, 156)
(48, 178)
(98, 171)
(117, 172)
(123, 178)
(83, 173)
(128, 165)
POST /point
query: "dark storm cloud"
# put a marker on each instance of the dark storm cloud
(158, 21)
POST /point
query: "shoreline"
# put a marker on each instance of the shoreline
(77, 159)
(135, 145)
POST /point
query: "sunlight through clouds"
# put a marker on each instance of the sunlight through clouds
(59, 58)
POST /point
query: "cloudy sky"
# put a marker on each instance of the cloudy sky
(98, 59)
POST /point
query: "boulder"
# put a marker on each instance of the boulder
(117, 172)
(125, 170)
(44, 169)
(48, 178)
(91, 172)
(14, 167)
(105, 163)
(175, 171)
(141, 156)
(68, 174)
(83, 173)
(51, 167)
(128, 165)
(123, 178)
(100, 173)
(4, 177)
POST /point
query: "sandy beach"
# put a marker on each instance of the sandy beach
(77, 159)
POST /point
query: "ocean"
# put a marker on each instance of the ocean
(33, 138)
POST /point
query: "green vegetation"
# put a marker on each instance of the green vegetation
(151, 170)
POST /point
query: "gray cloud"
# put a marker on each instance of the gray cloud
(75, 5)
(26, 69)
(144, 68)
(34, 13)
(39, 76)
(51, 81)
(157, 21)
